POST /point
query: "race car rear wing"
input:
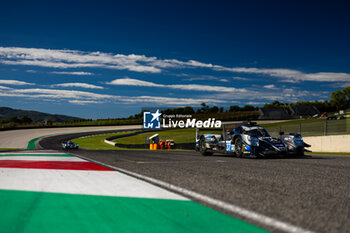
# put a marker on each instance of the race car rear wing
(226, 129)
(229, 127)
(198, 134)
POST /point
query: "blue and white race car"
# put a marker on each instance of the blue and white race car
(70, 145)
(250, 139)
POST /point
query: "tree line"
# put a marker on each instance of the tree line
(340, 100)
(22, 120)
(207, 109)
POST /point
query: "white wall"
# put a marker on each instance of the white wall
(336, 143)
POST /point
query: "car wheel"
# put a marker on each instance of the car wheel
(202, 147)
(239, 147)
(257, 154)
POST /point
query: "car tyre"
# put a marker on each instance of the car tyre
(202, 148)
(239, 147)
(257, 154)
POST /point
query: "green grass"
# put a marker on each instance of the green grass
(97, 142)
(5, 149)
(310, 127)
(178, 135)
(120, 148)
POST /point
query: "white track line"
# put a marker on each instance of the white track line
(101, 183)
(31, 153)
(248, 214)
(43, 158)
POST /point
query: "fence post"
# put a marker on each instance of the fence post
(325, 127)
(300, 129)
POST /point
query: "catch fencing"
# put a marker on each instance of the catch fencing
(322, 127)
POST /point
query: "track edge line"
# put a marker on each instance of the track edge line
(248, 214)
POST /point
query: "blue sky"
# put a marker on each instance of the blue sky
(99, 59)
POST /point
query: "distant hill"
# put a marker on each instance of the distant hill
(7, 113)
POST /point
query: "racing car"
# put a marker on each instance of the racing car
(70, 145)
(250, 139)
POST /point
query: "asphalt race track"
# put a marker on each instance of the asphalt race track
(19, 138)
(311, 192)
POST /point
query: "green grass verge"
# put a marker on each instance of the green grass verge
(119, 148)
(31, 143)
(5, 149)
(178, 135)
(309, 127)
(96, 142)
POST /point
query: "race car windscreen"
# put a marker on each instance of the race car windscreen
(260, 132)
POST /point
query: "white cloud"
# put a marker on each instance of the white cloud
(259, 94)
(198, 64)
(72, 73)
(84, 102)
(346, 84)
(83, 97)
(51, 64)
(289, 75)
(3, 87)
(14, 82)
(82, 85)
(255, 103)
(170, 101)
(271, 86)
(42, 94)
(193, 87)
(63, 59)
(202, 77)
(133, 82)
(240, 78)
(197, 87)
(223, 80)
(327, 77)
